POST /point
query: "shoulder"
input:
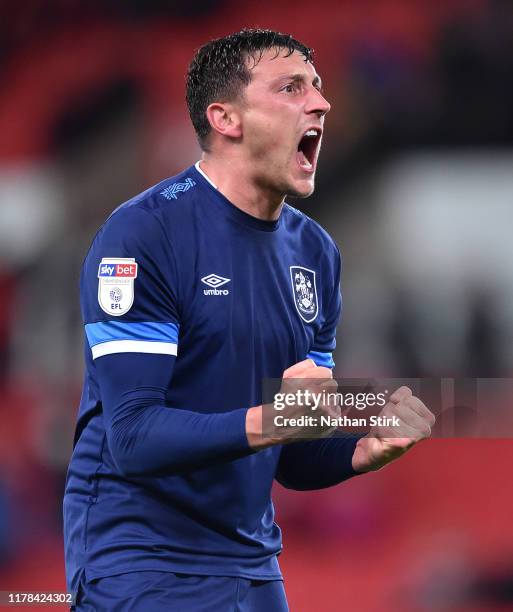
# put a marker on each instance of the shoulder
(310, 232)
(172, 195)
(149, 213)
(142, 227)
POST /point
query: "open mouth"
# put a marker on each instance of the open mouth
(307, 149)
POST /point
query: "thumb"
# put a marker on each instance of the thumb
(300, 369)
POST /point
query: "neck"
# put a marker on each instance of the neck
(232, 179)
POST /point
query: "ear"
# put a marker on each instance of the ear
(225, 119)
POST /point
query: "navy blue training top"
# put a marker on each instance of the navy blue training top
(188, 304)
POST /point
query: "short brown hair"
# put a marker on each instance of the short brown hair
(219, 70)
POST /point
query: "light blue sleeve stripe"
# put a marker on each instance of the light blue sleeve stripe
(321, 359)
(109, 331)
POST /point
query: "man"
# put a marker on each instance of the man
(192, 293)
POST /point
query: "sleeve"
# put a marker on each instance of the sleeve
(325, 340)
(317, 464)
(130, 299)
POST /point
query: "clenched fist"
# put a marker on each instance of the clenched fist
(301, 378)
(385, 443)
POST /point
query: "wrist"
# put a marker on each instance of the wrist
(254, 430)
(361, 461)
(254, 427)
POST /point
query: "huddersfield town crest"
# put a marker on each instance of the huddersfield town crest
(116, 285)
(305, 292)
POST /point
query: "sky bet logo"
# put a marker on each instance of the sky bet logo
(116, 280)
(119, 270)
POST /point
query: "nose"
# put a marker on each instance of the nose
(317, 103)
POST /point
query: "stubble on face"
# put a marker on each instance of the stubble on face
(274, 116)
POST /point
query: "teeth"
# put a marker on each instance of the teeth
(311, 133)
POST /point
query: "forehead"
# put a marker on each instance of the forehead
(277, 63)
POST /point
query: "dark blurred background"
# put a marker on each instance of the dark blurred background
(416, 186)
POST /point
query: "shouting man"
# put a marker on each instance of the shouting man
(192, 293)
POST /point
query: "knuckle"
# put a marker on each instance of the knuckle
(400, 394)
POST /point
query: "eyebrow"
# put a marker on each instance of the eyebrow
(316, 82)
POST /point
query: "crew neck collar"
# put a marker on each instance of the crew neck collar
(233, 211)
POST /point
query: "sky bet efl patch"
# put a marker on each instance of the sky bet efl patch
(116, 285)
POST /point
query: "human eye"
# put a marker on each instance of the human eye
(290, 87)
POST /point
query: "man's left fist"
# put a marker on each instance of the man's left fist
(386, 442)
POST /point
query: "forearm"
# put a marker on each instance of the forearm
(317, 464)
(146, 436)
(161, 441)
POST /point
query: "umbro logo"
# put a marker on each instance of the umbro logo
(214, 281)
(170, 192)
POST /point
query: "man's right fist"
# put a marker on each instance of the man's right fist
(305, 385)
